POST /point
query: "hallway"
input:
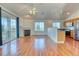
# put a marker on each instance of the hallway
(39, 46)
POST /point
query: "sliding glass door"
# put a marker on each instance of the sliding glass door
(5, 30)
(8, 27)
(13, 29)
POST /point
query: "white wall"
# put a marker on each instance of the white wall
(29, 24)
(21, 27)
(52, 33)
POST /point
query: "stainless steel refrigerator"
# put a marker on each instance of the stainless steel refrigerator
(77, 30)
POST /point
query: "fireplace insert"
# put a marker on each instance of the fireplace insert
(26, 32)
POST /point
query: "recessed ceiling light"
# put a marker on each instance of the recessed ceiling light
(68, 13)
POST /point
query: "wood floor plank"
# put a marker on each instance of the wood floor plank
(40, 46)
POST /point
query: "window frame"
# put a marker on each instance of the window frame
(35, 29)
(56, 26)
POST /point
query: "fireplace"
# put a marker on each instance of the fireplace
(26, 32)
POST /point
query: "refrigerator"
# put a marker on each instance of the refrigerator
(77, 30)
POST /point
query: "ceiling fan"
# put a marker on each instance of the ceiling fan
(31, 11)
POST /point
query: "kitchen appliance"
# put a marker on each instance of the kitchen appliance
(77, 30)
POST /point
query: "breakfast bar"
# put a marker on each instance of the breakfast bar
(57, 35)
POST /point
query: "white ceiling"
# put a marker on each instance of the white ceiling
(55, 11)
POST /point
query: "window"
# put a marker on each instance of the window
(70, 26)
(39, 26)
(56, 24)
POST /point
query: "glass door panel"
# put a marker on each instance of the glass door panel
(8, 27)
(13, 29)
(4, 29)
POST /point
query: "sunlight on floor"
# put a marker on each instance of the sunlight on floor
(39, 43)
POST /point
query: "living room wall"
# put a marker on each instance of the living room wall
(29, 24)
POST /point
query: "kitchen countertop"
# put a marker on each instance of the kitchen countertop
(64, 29)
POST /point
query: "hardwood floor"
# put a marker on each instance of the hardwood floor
(40, 46)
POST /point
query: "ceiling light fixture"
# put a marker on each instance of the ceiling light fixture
(32, 11)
